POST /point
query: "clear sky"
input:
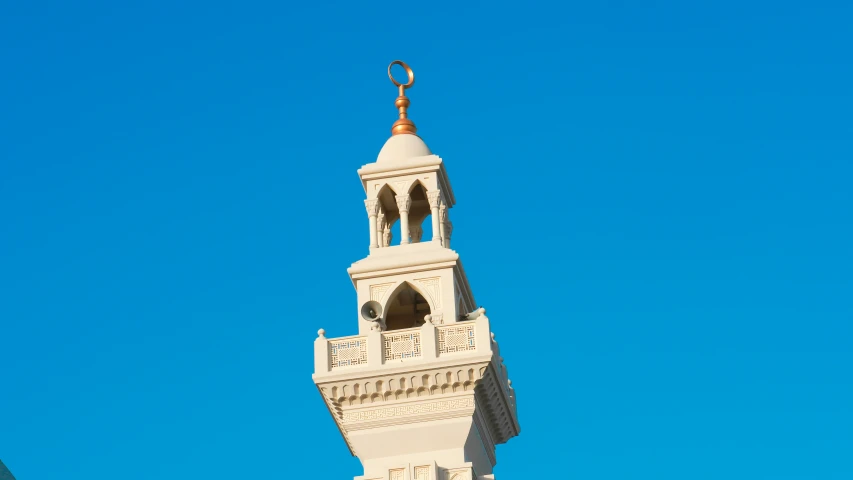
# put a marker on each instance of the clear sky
(654, 205)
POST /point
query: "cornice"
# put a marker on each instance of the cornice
(402, 257)
(407, 367)
(394, 168)
(428, 163)
(407, 381)
(500, 414)
(411, 394)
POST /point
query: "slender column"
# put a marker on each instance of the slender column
(443, 224)
(434, 198)
(403, 204)
(386, 235)
(372, 206)
(380, 228)
(448, 229)
(417, 232)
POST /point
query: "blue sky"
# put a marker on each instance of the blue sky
(654, 205)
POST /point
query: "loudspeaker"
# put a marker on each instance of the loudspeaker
(371, 311)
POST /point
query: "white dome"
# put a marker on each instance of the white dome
(402, 147)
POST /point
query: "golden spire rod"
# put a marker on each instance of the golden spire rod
(403, 124)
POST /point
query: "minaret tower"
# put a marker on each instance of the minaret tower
(421, 392)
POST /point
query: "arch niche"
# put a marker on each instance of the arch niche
(391, 214)
(406, 307)
(419, 212)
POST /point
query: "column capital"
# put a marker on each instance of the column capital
(372, 205)
(442, 212)
(403, 202)
(434, 198)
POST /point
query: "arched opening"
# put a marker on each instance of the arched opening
(406, 309)
(419, 216)
(419, 228)
(388, 218)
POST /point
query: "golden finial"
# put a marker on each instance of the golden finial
(403, 124)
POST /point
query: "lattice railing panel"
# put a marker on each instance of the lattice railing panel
(401, 345)
(396, 474)
(456, 338)
(422, 473)
(348, 352)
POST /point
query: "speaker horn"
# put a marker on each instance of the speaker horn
(371, 311)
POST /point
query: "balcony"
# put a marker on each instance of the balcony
(400, 348)
(432, 363)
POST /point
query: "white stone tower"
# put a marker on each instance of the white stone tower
(421, 393)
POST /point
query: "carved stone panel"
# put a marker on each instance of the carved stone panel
(431, 286)
(378, 291)
(408, 410)
(422, 473)
(458, 474)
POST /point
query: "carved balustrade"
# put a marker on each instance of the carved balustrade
(347, 352)
(401, 344)
(421, 344)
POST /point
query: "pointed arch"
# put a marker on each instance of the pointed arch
(419, 212)
(386, 196)
(415, 184)
(406, 306)
(401, 285)
(389, 214)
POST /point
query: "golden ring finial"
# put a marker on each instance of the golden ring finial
(403, 124)
(409, 72)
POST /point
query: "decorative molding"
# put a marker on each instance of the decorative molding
(432, 286)
(408, 410)
(396, 474)
(418, 383)
(498, 408)
(377, 292)
(493, 412)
